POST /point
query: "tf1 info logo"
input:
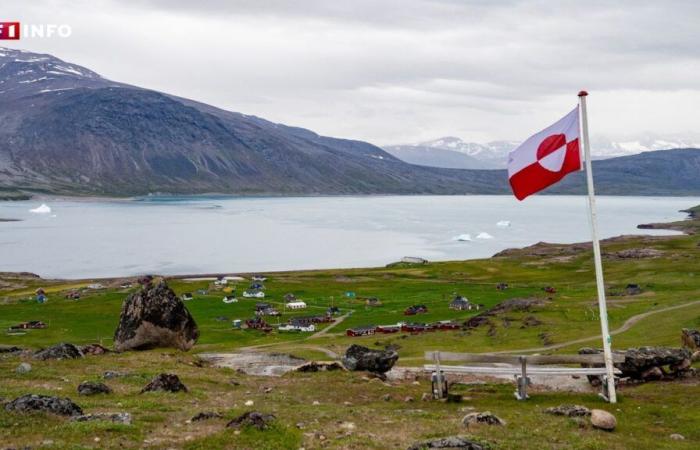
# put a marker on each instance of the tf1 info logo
(13, 30)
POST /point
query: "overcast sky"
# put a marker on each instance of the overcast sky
(398, 71)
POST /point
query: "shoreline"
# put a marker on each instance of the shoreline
(686, 226)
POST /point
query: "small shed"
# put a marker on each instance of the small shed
(187, 296)
(361, 331)
(298, 304)
(460, 303)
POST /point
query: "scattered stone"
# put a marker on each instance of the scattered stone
(451, 442)
(59, 351)
(93, 388)
(221, 319)
(249, 403)
(9, 349)
(167, 382)
(603, 420)
(206, 415)
(44, 403)
(569, 410)
(635, 253)
(94, 349)
(677, 437)
(426, 397)
(155, 317)
(358, 357)
(123, 418)
(314, 366)
(109, 374)
(24, 368)
(690, 339)
(386, 397)
(652, 374)
(408, 399)
(316, 403)
(349, 426)
(255, 419)
(482, 418)
(531, 321)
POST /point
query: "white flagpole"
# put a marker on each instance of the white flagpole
(607, 352)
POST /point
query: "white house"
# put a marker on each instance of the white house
(296, 305)
(254, 294)
(289, 327)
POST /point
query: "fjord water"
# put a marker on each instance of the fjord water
(80, 239)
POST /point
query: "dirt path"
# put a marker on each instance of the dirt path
(629, 323)
(323, 332)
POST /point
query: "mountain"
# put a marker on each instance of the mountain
(437, 157)
(453, 152)
(64, 129)
(493, 155)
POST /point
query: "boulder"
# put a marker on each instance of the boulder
(255, 419)
(358, 357)
(603, 420)
(109, 374)
(485, 417)
(93, 387)
(569, 410)
(59, 351)
(44, 403)
(155, 317)
(451, 442)
(690, 339)
(166, 382)
(123, 418)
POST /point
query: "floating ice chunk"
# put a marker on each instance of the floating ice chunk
(503, 223)
(484, 235)
(463, 237)
(43, 209)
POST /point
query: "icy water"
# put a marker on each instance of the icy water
(80, 239)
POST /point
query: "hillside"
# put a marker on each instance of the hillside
(64, 129)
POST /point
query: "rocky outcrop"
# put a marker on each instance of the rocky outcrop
(93, 388)
(451, 442)
(123, 418)
(358, 357)
(166, 382)
(206, 415)
(94, 349)
(635, 253)
(155, 317)
(44, 403)
(319, 366)
(255, 419)
(650, 363)
(59, 351)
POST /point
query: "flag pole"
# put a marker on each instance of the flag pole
(607, 352)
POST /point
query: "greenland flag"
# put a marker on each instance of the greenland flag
(546, 157)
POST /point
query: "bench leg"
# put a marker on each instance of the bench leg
(604, 387)
(521, 384)
(438, 385)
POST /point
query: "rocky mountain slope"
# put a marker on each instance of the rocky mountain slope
(64, 129)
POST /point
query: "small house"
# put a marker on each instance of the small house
(296, 305)
(72, 295)
(253, 293)
(372, 301)
(289, 298)
(415, 309)
(95, 286)
(230, 299)
(387, 329)
(332, 311)
(126, 285)
(221, 282)
(259, 277)
(258, 323)
(447, 325)
(460, 303)
(361, 331)
(202, 291)
(256, 286)
(236, 324)
(187, 296)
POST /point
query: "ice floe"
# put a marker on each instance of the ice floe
(484, 235)
(503, 223)
(43, 209)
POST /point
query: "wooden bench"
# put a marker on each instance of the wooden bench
(517, 367)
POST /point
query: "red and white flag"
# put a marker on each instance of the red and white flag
(546, 157)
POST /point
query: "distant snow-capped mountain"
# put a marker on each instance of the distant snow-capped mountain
(453, 152)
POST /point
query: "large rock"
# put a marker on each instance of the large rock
(645, 363)
(486, 417)
(44, 403)
(603, 420)
(451, 442)
(155, 317)
(93, 388)
(358, 357)
(166, 382)
(569, 410)
(59, 351)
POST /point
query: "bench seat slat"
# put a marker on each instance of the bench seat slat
(517, 371)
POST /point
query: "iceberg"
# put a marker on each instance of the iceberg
(503, 223)
(43, 209)
(484, 235)
(463, 237)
